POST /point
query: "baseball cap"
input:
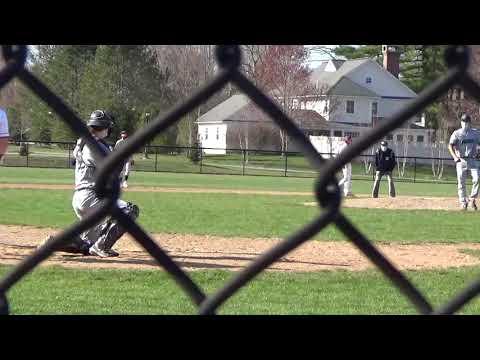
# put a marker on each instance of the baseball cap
(384, 143)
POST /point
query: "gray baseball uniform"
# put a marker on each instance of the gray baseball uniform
(465, 143)
(85, 199)
(126, 166)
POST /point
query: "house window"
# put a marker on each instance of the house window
(352, 134)
(374, 109)
(218, 133)
(368, 80)
(420, 138)
(399, 138)
(321, 133)
(350, 106)
(337, 133)
(389, 137)
(410, 138)
(206, 133)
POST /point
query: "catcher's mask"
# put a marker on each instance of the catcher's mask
(100, 120)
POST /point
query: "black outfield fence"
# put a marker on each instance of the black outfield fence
(326, 189)
(162, 158)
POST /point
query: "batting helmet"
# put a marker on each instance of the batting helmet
(465, 118)
(100, 119)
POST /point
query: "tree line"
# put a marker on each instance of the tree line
(140, 82)
(136, 83)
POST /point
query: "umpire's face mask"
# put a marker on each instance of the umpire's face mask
(383, 148)
(465, 125)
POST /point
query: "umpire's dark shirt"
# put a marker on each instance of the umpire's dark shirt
(385, 160)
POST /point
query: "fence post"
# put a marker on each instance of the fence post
(414, 169)
(28, 152)
(286, 163)
(156, 158)
(372, 166)
(243, 164)
(201, 159)
(68, 163)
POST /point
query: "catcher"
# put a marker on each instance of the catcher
(99, 239)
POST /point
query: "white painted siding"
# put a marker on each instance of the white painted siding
(213, 136)
(426, 148)
(318, 106)
(330, 67)
(383, 83)
(362, 110)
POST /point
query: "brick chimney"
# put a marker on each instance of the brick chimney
(391, 59)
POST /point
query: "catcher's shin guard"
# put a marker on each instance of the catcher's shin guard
(111, 230)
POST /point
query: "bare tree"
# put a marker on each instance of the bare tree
(190, 67)
(285, 75)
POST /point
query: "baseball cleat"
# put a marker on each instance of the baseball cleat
(474, 205)
(99, 252)
(124, 185)
(464, 206)
(112, 252)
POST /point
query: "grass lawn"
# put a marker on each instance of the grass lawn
(245, 215)
(54, 290)
(165, 179)
(256, 163)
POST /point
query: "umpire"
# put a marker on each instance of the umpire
(384, 164)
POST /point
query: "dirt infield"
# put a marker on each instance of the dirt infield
(400, 203)
(195, 252)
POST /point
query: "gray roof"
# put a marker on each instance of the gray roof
(338, 63)
(225, 109)
(240, 108)
(349, 88)
(309, 120)
(331, 78)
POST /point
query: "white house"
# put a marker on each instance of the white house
(349, 98)
(359, 92)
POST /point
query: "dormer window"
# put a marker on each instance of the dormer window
(368, 80)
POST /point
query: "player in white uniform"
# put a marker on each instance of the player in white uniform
(346, 181)
(463, 148)
(126, 168)
(99, 239)
(4, 134)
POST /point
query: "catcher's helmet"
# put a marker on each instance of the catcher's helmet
(100, 119)
(465, 118)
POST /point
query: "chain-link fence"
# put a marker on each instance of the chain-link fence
(231, 161)
(326, 188)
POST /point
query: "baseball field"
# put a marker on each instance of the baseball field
(213, 225)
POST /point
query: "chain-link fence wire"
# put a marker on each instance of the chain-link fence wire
(326, 188)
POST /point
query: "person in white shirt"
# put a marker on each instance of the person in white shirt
(346, 181)
(126, 168)
(4, 134)
(463, 148)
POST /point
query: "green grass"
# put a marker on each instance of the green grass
(65, 176)
(245, 215)
(54, 290)
(257, 163)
